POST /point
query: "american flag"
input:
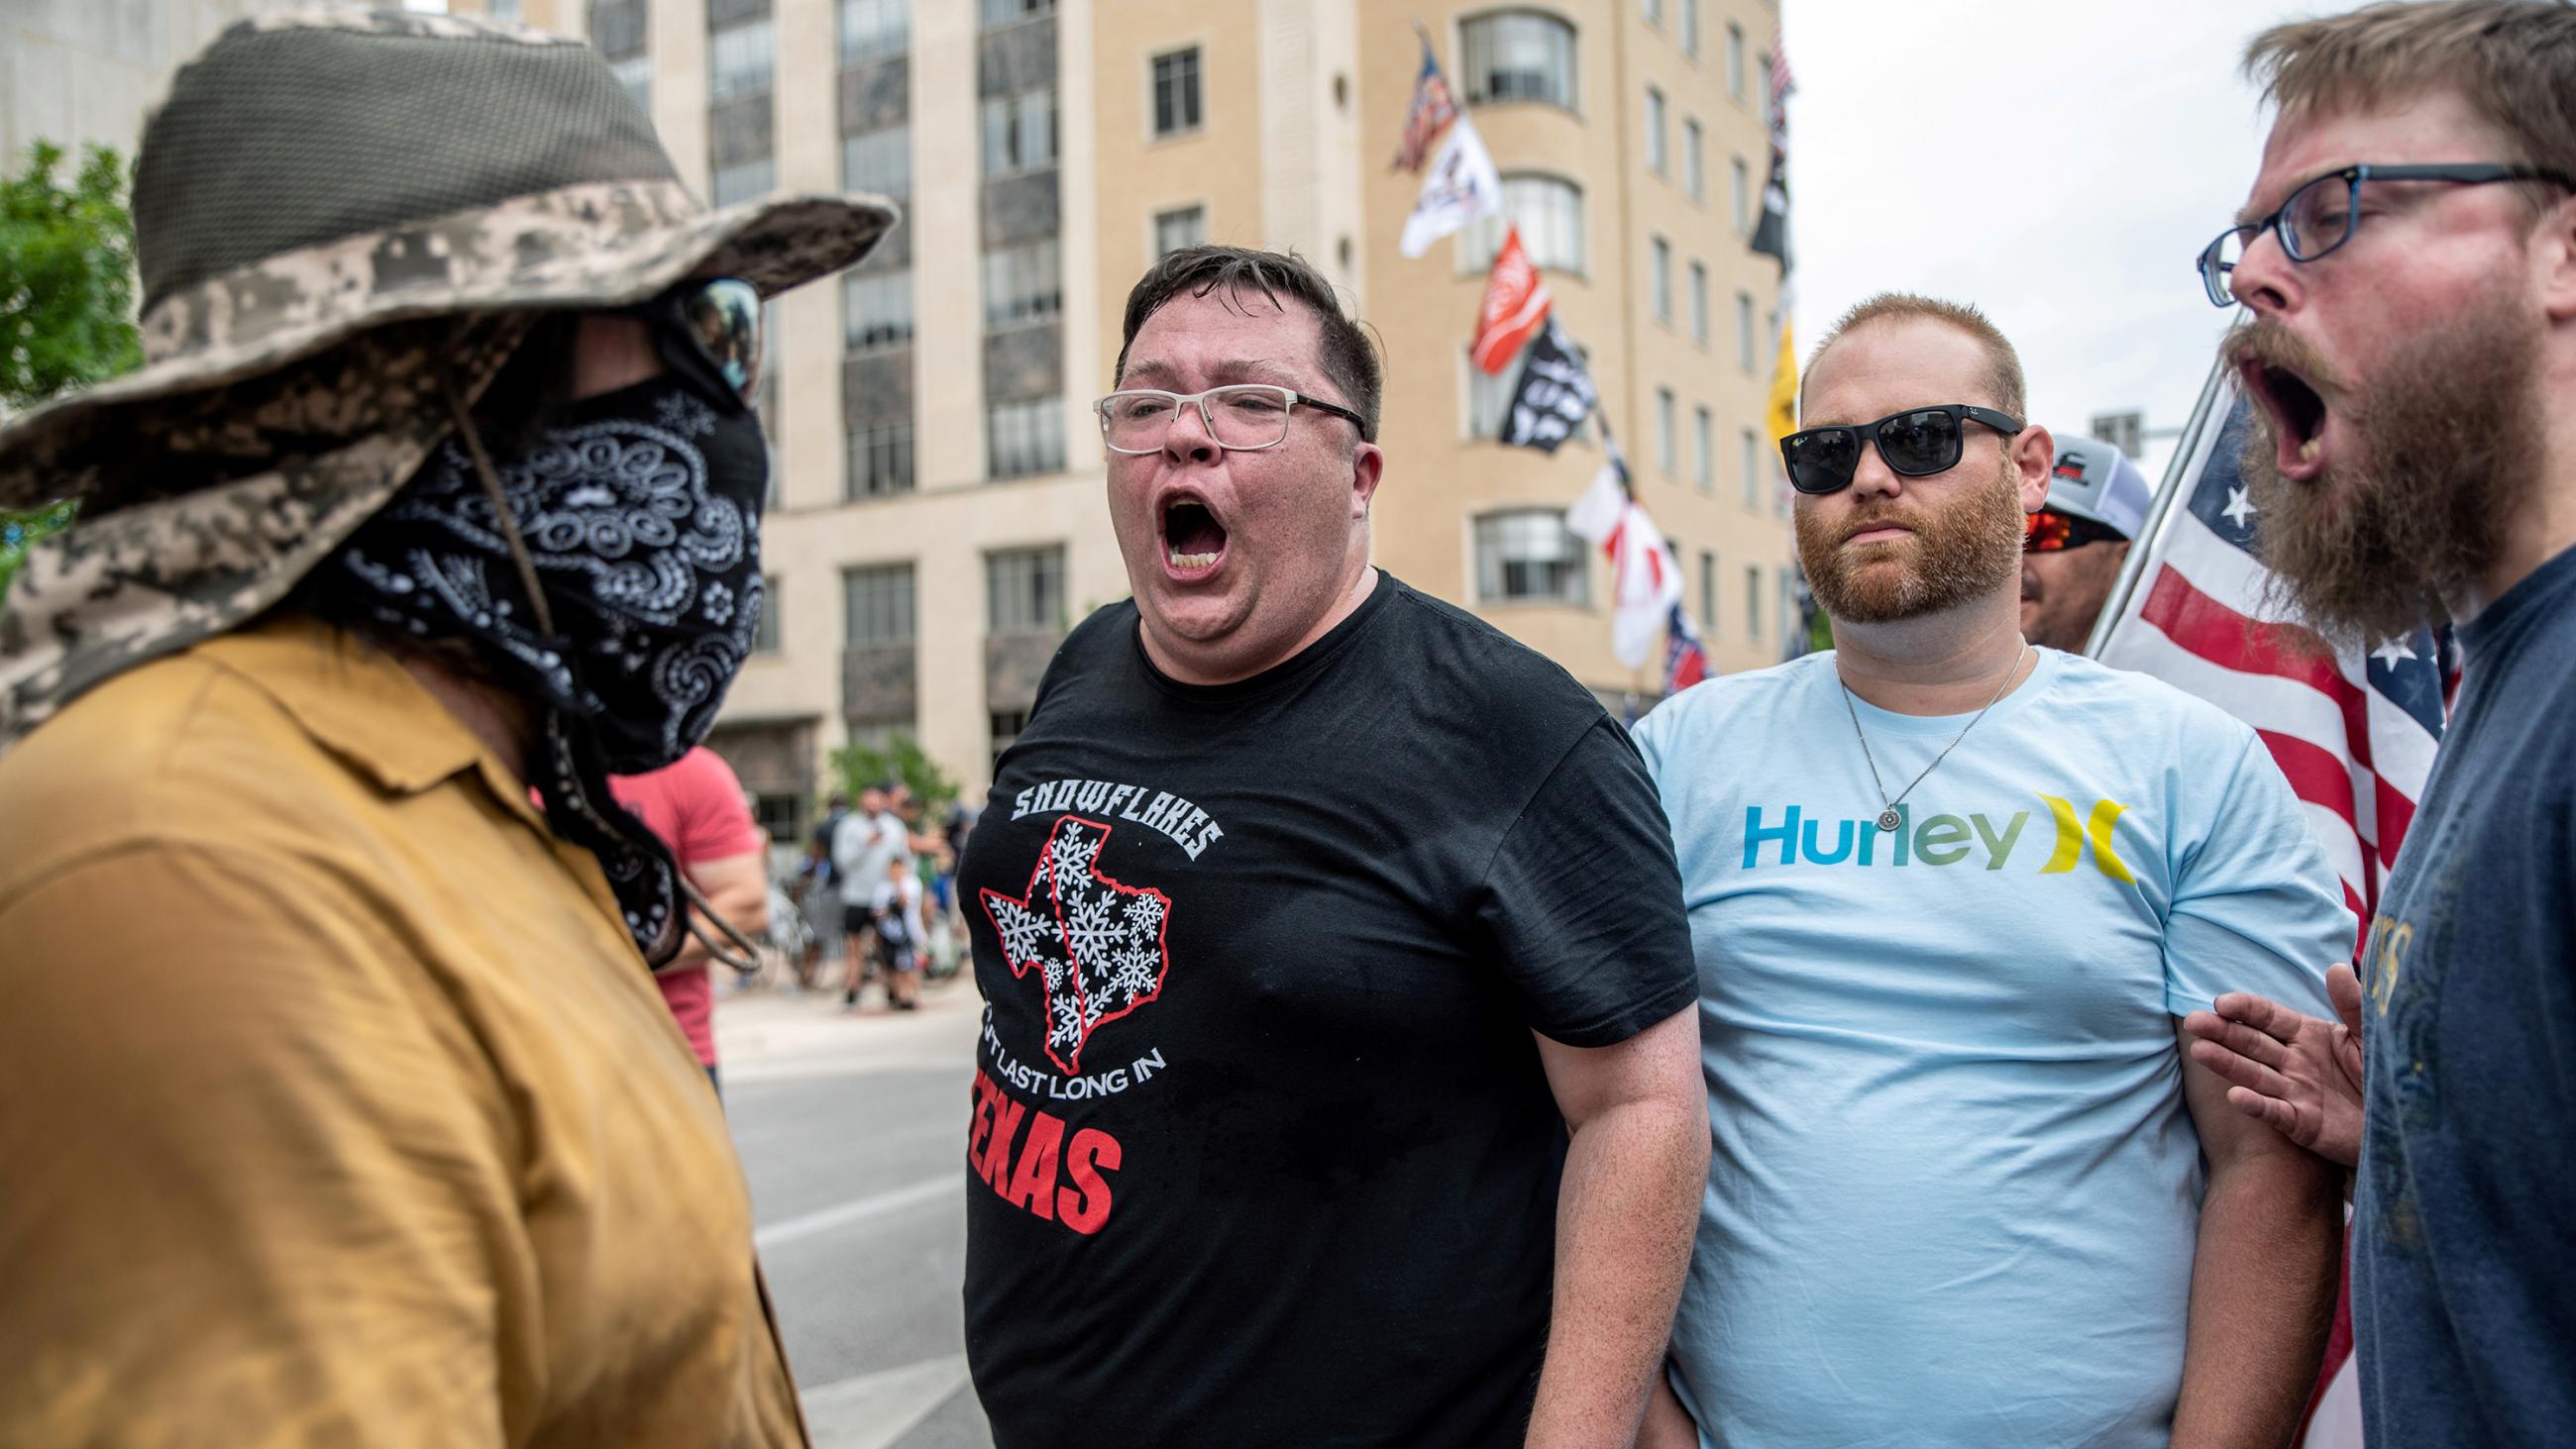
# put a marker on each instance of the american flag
(1685, 659)
(1431, 114)
(2354, 733)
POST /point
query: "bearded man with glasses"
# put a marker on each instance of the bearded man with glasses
(2408, 255)
(1336, 1084)
(1949, 893)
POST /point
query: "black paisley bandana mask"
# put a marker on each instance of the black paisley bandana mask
(641, 511)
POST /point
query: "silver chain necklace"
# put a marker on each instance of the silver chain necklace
(1888, 819)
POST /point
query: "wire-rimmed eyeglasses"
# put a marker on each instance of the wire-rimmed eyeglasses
(2321, 214)
(1240, 417)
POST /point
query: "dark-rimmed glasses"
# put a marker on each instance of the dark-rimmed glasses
(1915, 443)
(709, 330)
(1241, 417)
(2321, 214)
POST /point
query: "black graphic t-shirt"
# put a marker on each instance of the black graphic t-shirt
(1263, 1152)
(2464, 1228)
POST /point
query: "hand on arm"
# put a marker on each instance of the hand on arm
(2296, 1074)
(2262, 1279)
(738, 887)
(1627, 1212)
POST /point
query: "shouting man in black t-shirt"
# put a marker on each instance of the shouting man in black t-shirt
(1339, 1082)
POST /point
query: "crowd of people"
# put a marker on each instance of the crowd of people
(1944, 1039)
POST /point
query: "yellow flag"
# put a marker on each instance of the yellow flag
(1784, 382)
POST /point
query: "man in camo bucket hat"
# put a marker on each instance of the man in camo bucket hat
(346, 1108)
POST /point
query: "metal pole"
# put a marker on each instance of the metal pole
(2177, 469)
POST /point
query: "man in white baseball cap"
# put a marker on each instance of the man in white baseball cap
(2073, 548)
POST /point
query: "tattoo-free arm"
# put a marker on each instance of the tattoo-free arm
(2297, 1074)
(2262, 1277)
(1626, 1214)
(738, 887)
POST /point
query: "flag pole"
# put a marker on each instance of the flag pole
(2186, 447)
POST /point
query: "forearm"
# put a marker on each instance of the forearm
(2262, 1300)
(1626, 1215)
(746, 909)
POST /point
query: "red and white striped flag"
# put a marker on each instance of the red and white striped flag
(2354, 733)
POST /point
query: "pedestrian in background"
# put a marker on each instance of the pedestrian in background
(2072, 548)
(343, 1109)
(872, 838)
(696, 807)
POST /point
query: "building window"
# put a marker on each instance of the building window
(1519, 56)
(1022, 284)
(1024, 590)
(1734, 61)
(1666, 451)
(1176, 92)
(1003, 12)
(1489, 397)
(871, 28)
(876, 310)
(1006, 725)
(1549, 212)
(1762, 77)
(877, 605)
(1694, 169)
(1744, 330)
(738, 60)
(1656, 160)
(744, 180)
(1704, 455)
(1750, 445)
(878, 161)
(1690, 28)
(1179, 228)
(1660, 278)
(764, 636)
(1707, 593)
(1743, 197)
(1019, 132)
(1527, 557)
(1024, 436)
(1699, 303)
(1654, 12)
(635, 72)
(880, 461)
(1753, 602)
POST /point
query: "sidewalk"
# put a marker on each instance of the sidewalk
(767, 1035)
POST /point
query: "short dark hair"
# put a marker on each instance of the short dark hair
(1349, 362)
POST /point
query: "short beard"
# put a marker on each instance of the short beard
(1966, 551)
(2444, 446)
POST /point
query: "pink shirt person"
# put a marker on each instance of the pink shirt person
(695, 805)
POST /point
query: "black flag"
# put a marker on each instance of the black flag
(1554, 396)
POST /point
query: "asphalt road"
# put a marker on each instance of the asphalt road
(852, 1129)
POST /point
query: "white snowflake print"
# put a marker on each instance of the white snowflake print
(1097, 944)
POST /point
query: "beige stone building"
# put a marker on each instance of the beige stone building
(938, 519)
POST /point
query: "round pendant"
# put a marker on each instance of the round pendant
(1888, 819)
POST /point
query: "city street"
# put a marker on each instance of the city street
(852, 1130)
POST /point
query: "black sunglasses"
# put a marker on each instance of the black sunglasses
(2322, 213)
(1914, 443)
(709, 330)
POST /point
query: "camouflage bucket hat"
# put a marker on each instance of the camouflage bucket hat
(343, 219)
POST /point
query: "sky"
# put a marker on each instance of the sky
(2056, 162)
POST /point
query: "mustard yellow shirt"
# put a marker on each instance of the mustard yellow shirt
(338, 1106)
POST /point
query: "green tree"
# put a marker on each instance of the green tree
(856, 766)
(66, 298)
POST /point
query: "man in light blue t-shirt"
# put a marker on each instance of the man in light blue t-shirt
(1949, 894)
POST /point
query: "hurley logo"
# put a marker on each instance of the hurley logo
(1097, 944)
(1937, 840)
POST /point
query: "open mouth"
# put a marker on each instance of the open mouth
(1193, 539)
(2298, 414)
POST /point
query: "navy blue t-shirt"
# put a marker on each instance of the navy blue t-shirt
(2464, 1264)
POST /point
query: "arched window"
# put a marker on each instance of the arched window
(1518, 55)
(1549, 212)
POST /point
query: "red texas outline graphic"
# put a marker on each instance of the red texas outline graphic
(1098, 945)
